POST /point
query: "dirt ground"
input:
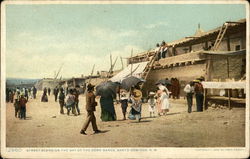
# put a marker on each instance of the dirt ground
(46, 127)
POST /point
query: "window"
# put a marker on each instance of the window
(237, 47)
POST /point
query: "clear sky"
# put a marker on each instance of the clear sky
(40, 38)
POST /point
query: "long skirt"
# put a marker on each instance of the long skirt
(107, 109)
(107, 116)
(133, 114)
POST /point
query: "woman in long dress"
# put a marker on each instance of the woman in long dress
(164, 100)
(107, 108)
(135, 112)
(158, 101)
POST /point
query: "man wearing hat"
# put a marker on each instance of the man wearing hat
(198, 89)
(90, 107)
(61, 100)
(22, 102)
(189, 89)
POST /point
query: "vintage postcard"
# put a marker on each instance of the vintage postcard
(124, 79)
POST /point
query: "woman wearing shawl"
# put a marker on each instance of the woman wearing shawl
(135, 112)
(164, 99)
(107, 107)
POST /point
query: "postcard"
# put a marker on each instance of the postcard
(124, 79)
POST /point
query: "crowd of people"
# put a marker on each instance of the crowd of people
(158, 101)
(68, 99)
(19, 97)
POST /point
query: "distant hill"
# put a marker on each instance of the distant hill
(20, 81)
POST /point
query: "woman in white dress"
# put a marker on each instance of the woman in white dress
(164, 100)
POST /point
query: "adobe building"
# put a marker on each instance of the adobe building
(217, 55)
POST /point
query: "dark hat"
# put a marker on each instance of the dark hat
(90, 86)
(201, 78)
(71, 91)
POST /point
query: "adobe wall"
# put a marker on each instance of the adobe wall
(219, 67)
(183, 73)
(49, 84)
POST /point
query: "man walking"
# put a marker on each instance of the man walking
(90, 107)
(189, 89)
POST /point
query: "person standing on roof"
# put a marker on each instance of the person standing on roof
(163, 49)
(157, 52)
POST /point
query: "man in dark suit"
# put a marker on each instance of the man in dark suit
(90, 107)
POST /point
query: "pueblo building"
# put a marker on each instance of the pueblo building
(217, 55)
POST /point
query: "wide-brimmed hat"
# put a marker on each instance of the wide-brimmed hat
(137, 94)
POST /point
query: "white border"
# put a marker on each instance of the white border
(218, 152)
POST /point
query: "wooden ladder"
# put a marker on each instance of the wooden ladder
(220, 36)
(148, 67)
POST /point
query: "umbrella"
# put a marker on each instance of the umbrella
(163, 82)
(106, 89)
(127, 83)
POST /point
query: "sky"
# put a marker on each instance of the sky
(41, 38)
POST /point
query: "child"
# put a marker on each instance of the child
(70, 102)
(17, 108)
(23, 102)
(151, 104)
(124, 103)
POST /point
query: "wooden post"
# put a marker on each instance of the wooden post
(228, 44)
(204, 99)
(190, 48)
(121, 62)
(229, 98)
(131, 63)
(229, 95)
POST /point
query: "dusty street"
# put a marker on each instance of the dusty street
(45, 127)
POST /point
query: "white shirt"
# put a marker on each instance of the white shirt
(189, 89)
(157, 49)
